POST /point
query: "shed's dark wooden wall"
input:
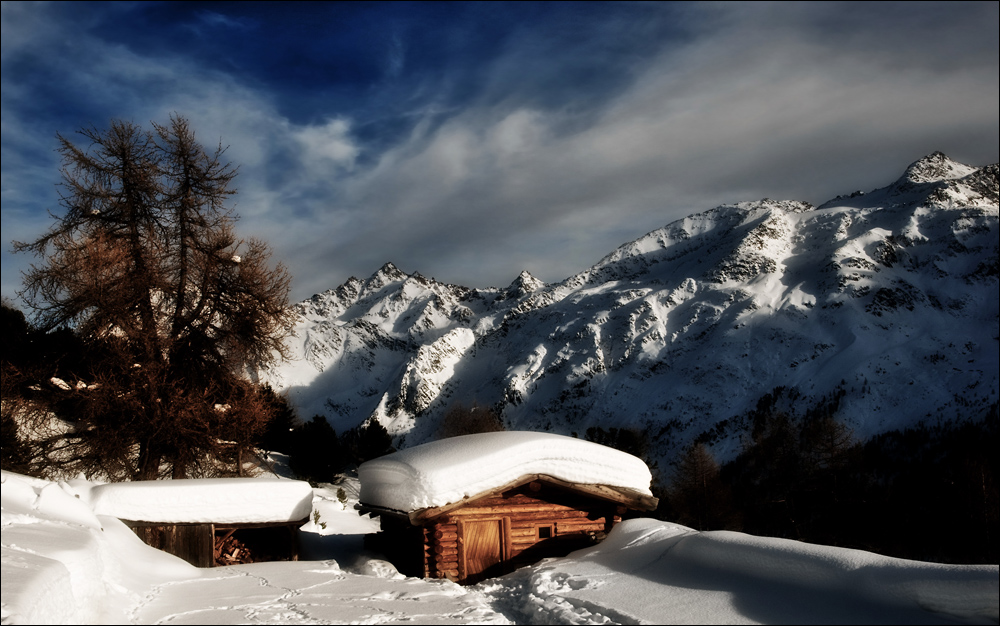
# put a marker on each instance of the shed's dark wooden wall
(197, 543)
(194, 543)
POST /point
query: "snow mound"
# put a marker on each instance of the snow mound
(62, 564)
(450, 470)
(648, 571)
(218, 500)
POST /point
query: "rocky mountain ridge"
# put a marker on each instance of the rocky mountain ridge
(887, 298)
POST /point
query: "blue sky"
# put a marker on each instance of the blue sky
(471, 141)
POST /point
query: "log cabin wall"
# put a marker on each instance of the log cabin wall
(441, 549)
(495, 535)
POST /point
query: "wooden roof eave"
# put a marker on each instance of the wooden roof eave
(371, 509)
(218, 525)
(624, 496)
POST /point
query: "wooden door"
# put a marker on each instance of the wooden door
(483, 548)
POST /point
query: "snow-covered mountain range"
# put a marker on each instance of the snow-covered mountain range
(890, 298)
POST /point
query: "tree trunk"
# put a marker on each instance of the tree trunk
(149, 462)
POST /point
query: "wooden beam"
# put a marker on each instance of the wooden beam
(619, 495)
(217, 525)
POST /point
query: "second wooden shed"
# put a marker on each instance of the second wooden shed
(212, 521)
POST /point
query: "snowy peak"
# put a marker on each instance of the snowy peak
(721, 237)
(888, 298)
(947, 183)
(935, 178)
(936, 167)
(523, 285)
(933, 181)
(386, 274)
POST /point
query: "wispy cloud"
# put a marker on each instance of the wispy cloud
(481, 142)
(395, 57)
(751, 106)
(215, 20)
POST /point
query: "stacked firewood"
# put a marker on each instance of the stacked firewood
(231, 551)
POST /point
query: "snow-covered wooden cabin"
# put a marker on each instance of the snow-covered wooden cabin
(473, 507)
(212, 521)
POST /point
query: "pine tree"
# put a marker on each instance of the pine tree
(698, 496)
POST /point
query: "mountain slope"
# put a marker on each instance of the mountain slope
(888, 298)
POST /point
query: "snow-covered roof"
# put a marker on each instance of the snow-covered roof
(447, 471)
(217, 500)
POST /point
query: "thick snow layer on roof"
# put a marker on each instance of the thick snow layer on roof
(447, 471)
(219, 500)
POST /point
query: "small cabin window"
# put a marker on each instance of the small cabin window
(544, 532)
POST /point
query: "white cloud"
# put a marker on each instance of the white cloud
(329, 144)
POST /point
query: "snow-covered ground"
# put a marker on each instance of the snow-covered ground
(62, 563)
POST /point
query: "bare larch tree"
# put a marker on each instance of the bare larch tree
(144, 264)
